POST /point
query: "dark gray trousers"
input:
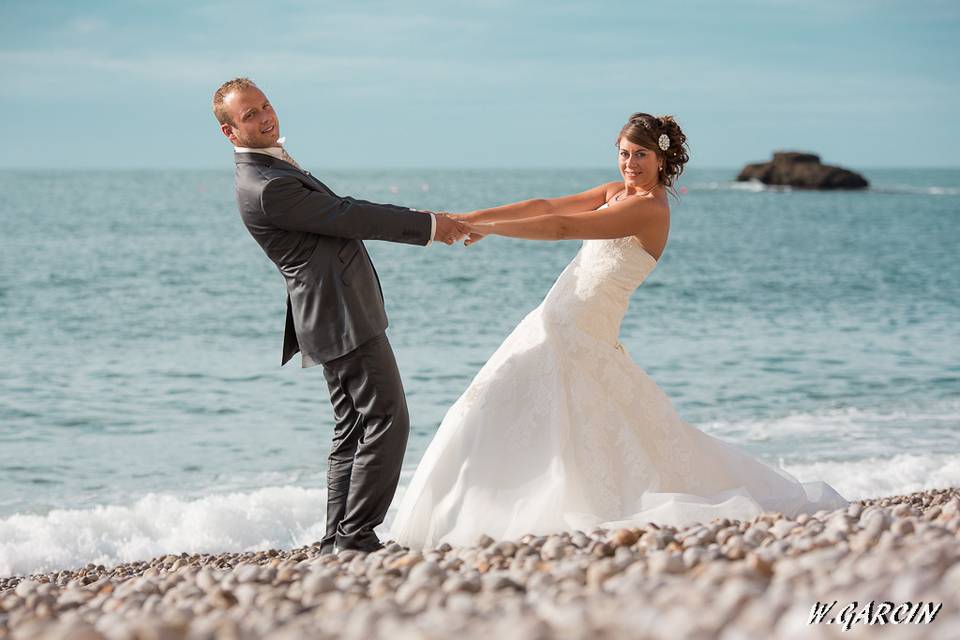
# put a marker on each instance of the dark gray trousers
(369, 440)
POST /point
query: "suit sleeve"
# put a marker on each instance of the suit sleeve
(289, 205)
(433, 218)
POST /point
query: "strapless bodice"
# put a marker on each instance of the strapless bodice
(594, 291)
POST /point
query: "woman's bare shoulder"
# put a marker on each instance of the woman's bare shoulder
(611, 189)
(652, 203)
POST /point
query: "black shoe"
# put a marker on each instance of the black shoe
(327, 549)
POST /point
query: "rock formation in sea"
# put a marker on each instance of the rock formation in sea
(801, 170)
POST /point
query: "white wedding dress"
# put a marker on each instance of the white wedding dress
(560, 430)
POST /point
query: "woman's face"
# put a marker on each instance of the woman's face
(638, 165)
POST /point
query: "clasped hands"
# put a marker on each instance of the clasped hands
(451, 228)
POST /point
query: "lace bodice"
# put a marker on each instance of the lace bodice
(593, 292)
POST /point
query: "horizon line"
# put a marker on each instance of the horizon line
(430, 168)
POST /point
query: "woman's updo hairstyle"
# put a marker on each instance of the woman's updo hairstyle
(645, 130)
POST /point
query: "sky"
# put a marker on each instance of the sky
(481, 84)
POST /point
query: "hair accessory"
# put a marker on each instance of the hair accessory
(663, 142)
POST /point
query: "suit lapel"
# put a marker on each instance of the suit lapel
(266, 160)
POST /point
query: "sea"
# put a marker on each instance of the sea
(144, 411)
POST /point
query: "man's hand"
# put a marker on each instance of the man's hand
(448, 230)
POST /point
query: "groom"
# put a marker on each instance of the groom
(335, 314)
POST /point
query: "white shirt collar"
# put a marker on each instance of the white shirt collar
(276, 152)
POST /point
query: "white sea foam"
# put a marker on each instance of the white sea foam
(878, 477)
(907, 189)
(758, 187)
(274, 517)
(831, 424)
(749, 185)
(289, 517)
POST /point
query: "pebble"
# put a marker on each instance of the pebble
(902, 527)
(782, 528)
(484, 541)
(579, 540)
(498, 582)
(666, 562)
(25, 588)
(755, 536)
(247, 573)
(553, 549)
(692, 557)
(625, 537)
(317, 584)
(426, 572)
(598, 572)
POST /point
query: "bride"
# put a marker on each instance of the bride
(560, 429)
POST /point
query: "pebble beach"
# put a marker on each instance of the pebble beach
(723, 579)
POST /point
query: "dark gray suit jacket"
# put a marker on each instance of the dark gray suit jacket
(334, 300)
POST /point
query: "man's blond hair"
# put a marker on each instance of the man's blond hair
(219, 109)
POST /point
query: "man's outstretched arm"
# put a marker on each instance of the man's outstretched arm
(287, 204)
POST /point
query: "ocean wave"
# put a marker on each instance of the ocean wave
(878, 477)
(732, 185)
(755, 186)
(288, 517)
(158, 524)
(911, 190)
(848, 420)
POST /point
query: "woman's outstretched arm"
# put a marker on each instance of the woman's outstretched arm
(584, 201)
(627, 218)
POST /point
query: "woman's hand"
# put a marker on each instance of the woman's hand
(475, 231)
(472, 238)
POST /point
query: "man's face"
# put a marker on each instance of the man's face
(255, 123)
